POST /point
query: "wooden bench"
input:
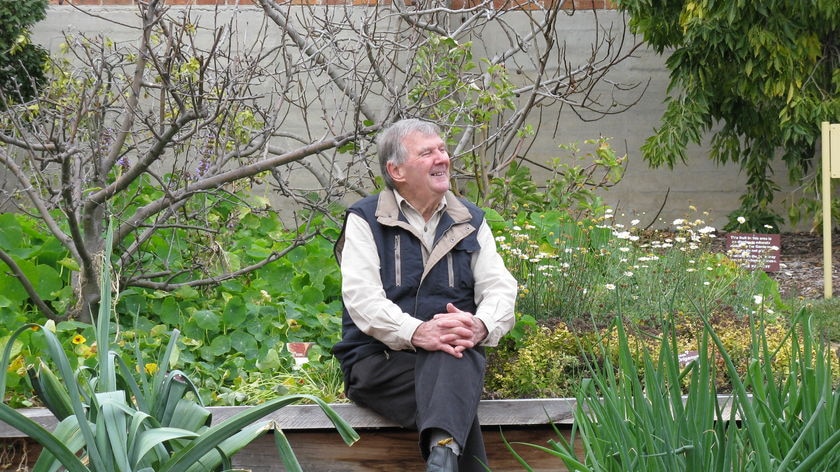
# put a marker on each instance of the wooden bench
(384, 446)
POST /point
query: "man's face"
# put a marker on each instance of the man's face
(425, 173)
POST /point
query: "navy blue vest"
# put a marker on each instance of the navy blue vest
(401, 271)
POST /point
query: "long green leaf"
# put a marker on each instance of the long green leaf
(126, 376)
(753, 427)
(190, 415)
(140, 421)
(114, 415)
(211, 438)
(149, 439)
(826, 448)
(58, 356)
(43, 437)
(527, 467)
(794, 450)
(66, 432)
(172, 391)
(222, 454)
(287, 455)
(163, 372)
(51, 391)
(102, 321)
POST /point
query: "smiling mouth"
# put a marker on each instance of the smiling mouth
(438, 174)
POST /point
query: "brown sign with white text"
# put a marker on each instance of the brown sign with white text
(754, 250)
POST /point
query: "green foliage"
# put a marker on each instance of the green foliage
(233, 334)
(547, 231)
(456, 90)
(572, 185)
(21, 62)
(628, 422)
(763, 74)
(111, 420)
(41, 257)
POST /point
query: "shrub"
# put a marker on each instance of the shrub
(21, 62)
(548, 363)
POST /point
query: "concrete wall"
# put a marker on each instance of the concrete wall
(701, 184)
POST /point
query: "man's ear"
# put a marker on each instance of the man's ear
(395, 172)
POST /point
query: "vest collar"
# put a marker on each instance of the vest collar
(388, 208)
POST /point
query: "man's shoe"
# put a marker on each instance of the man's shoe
(442, 459)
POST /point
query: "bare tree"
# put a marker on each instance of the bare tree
(150, 134)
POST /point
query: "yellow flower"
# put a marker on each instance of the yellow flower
(86, 351)
(79, 339)
(18, 366)
(151, 368)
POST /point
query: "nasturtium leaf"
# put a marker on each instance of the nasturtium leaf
(207, 319)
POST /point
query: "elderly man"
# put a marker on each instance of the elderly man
(424, 291)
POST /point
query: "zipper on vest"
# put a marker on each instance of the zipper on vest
(397, 262)
(450, 269)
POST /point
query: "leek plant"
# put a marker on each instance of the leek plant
(111, 422)
(672, 419)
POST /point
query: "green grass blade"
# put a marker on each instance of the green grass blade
(826, 448)
(753, 426)
(102, 320)
(58, 356)
(516, 455)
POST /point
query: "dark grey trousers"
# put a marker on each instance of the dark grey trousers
(426, 390)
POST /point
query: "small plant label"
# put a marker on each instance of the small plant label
(687, 357)
(754, 250)
(299, 352)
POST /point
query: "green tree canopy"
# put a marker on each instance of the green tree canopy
(21, 62)
(763, 74)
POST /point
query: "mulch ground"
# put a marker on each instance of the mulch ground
(801, 272)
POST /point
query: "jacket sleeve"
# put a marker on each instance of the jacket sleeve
(495, 288)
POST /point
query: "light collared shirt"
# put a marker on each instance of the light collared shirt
(377, 316)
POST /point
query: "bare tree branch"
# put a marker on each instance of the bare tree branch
(159, 132)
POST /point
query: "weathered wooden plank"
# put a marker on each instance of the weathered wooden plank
(490, 413)
(391, 449)
(303, 417)
(41, 416)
